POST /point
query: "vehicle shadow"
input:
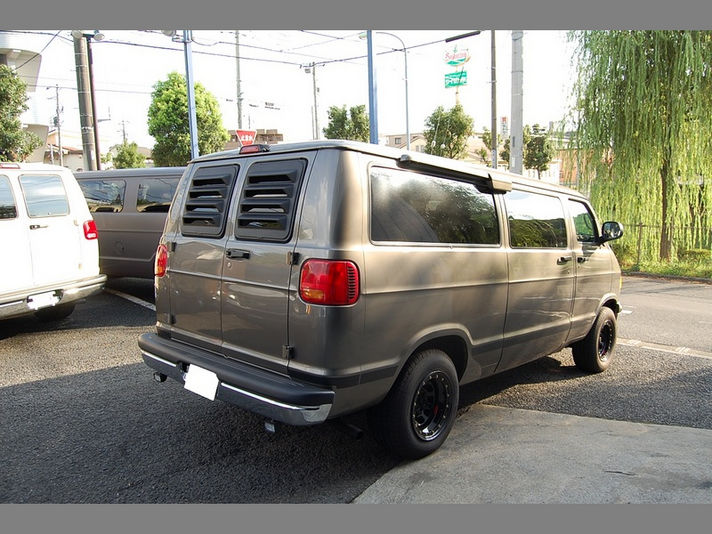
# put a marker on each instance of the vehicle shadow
(115, 436)
(101, 310)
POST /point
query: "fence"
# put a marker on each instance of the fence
(641, 243)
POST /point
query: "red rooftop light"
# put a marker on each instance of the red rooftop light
(253, 149)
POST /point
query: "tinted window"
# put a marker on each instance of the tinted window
(266, 210)
(8, 210)
(104, 195)
(155, 194)
(535, 221)
(417, 208)
(584, 222)
(44, 195)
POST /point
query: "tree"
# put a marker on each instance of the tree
(446, 132)
(487, 138)
(526, 137)
(15, 143)
(352, 124)
(168, 122)
(128, 157)
(643, 118)
(539, 150)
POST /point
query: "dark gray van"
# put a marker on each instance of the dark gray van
(308, 281)
(129, 207)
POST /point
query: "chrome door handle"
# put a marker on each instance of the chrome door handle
(564, 259)
(37, 226)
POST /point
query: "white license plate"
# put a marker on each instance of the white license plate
(42, 300)
(201, 381)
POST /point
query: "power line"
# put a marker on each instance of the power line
(38, 53)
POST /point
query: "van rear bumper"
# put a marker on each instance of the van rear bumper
(19, 304)
(263, 392)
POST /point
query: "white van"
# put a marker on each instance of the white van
(49, 257)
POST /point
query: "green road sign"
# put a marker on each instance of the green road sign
(453, 79)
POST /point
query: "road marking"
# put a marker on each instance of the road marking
(131, 298)
(686, 351)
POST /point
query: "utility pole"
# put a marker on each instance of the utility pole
(59, 127)
(95, 120)
(85, 108)
(316, 109)
(494, 103)
(237, 79)
(516, 139)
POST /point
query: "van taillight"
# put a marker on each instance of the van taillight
(332, 283)
(90, 230)
(159, 268)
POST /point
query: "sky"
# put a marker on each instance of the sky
(278, 92)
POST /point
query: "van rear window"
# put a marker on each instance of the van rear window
(45, 195)
(8, 209)
(268, 200)
(104, 195)
(208, 201)
(417, 208)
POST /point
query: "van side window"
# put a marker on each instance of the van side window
(104, 195)
(269, 196)
(418, 208)
(535, 220)
(208, 201)
(45, 196)
(584, 222)
(8, 209)
(155, 194)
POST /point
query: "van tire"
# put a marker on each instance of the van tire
(55, 313)
(594, 352)
(419, 411)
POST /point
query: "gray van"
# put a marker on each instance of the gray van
(308, 281)
(129, 207)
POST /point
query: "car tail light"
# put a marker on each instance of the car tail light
(332, 283)
(159, 268)
(90, 231)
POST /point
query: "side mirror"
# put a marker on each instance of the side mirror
(611, 230)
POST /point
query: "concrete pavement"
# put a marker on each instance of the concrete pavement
(505, 455)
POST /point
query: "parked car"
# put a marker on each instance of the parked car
(307, 281)
(129, 207)
(48, 242)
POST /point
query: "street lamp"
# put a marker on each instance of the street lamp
(187, 39)
(405, 73)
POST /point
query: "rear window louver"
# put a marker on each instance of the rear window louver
(268, 199)
(208, 201)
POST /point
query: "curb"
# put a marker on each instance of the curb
(672, 277)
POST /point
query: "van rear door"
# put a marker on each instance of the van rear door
(256, 266)
(196, 247)
(54, 233)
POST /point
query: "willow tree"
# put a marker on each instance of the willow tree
(643, 118)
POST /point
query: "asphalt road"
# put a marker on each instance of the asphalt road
(83, 422)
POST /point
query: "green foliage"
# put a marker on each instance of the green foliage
(128, 157)
(539, 150)
(643, 120)
(526, 138)
(487, 138)
(352, 124)
(15, 143)
(168, 122)
(446, 132)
